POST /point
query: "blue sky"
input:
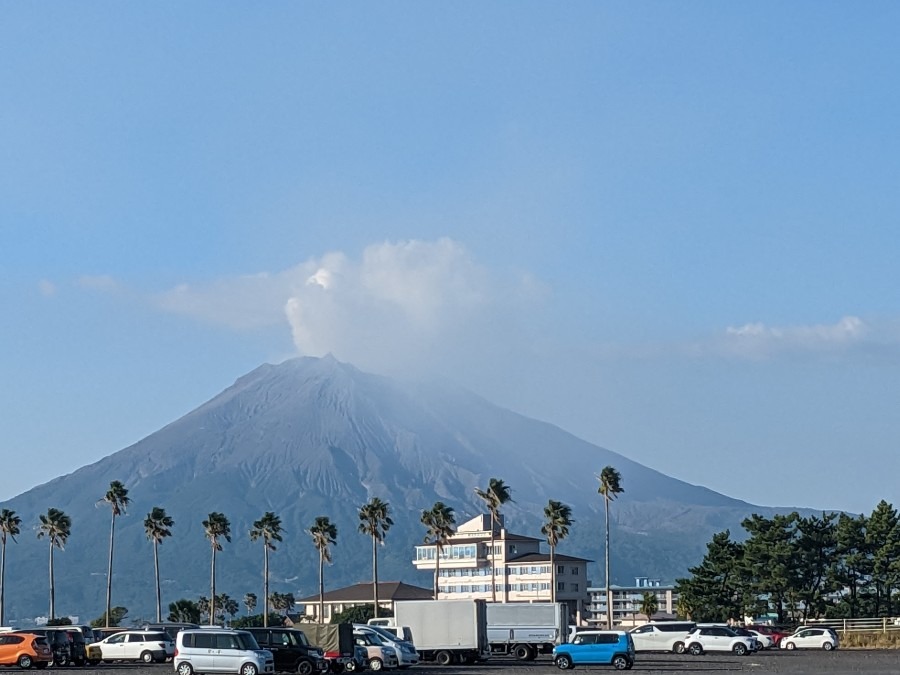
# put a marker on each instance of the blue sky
(669, 228)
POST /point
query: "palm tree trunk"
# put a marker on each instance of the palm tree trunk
(266, 584)
(609, 612)
(375, 572)
(3, 583)
(52, 589)
(156, 570)
(112, 535)
(437, 571)
(493, 579)
(552, 574)
(212, 588)
(321, 586)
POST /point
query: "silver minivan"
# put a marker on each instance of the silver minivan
(220, 650)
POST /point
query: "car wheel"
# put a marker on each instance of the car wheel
(678, 648)
(739, 649)
(696, 649)
(305, 668)
(184, 668)
(791, 645)
(25, 661)
(147, 657)
(620, 662)
(444, 658)
(827, 646)
(376, 664)
(563, 662)
(249, 669)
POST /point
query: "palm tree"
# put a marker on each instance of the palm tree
(439, 521)
(324, 534)
(558, 520)
(267, 528)
(118, 500)
(496, 495)
(610, 487)
(9, 528)
(649, 604)
(156, 526)
(56, 526)
(216, 525)
(250, 602)
(375, 521)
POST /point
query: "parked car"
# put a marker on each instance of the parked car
(661, 636)
(775, 633)
(25, 650)
(596, 647)
(765, 641)
(133, 645)
(220, 650)
(756, 645)
(808, 637)
(717, 639)
(291, 650)
(58, 641)
(405, 650)
(360, 660)
(380, 655)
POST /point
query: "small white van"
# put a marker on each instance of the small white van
(220, 650)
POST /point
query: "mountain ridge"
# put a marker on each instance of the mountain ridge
(314, 436)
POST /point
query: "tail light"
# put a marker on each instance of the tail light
(176, 651)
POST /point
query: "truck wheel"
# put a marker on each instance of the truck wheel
(444, 658)
(522, 652)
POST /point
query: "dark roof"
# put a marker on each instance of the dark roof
(362, 593)
(545, 557)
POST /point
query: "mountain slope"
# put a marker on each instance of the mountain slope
(312, 437)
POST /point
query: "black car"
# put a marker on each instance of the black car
(291, 650)
(59, 644)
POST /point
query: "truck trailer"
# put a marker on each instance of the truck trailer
(526, 629)
(446, 631)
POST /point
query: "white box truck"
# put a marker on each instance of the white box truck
(526, 629)
(446, 631)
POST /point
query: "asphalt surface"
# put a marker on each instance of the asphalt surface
(800, 662)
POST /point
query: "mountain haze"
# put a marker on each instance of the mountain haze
(312, 437)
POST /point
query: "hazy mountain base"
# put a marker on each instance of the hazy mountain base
(316, 437)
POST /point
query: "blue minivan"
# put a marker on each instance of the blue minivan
(596, 647)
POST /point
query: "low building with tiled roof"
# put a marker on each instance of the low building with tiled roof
(522, 571)
(361, 594)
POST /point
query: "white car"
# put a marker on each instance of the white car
(661, 636)
(717, 639)
(767, 641)
(133, 645)
(811, 638)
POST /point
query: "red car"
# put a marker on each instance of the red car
(775, 633)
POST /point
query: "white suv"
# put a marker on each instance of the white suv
(717, 639)
(133, 645)
(220, 650)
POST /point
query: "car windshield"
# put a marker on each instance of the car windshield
(384, 634)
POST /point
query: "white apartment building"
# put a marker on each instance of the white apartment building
(626, 601)
(522, 571)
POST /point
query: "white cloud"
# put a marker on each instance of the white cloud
(397, 304)
(757, 340)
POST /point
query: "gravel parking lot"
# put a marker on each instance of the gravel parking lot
(873, 662)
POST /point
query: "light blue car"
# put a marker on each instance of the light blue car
(596, 647)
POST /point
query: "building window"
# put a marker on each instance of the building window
(545, 587)
(560, 569)
(575, 571)
(574, 588)
(545, 569)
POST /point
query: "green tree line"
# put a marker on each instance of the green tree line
(799, 568)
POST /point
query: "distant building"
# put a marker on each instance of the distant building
(626, 601)
(340, 599)
(522, 571)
